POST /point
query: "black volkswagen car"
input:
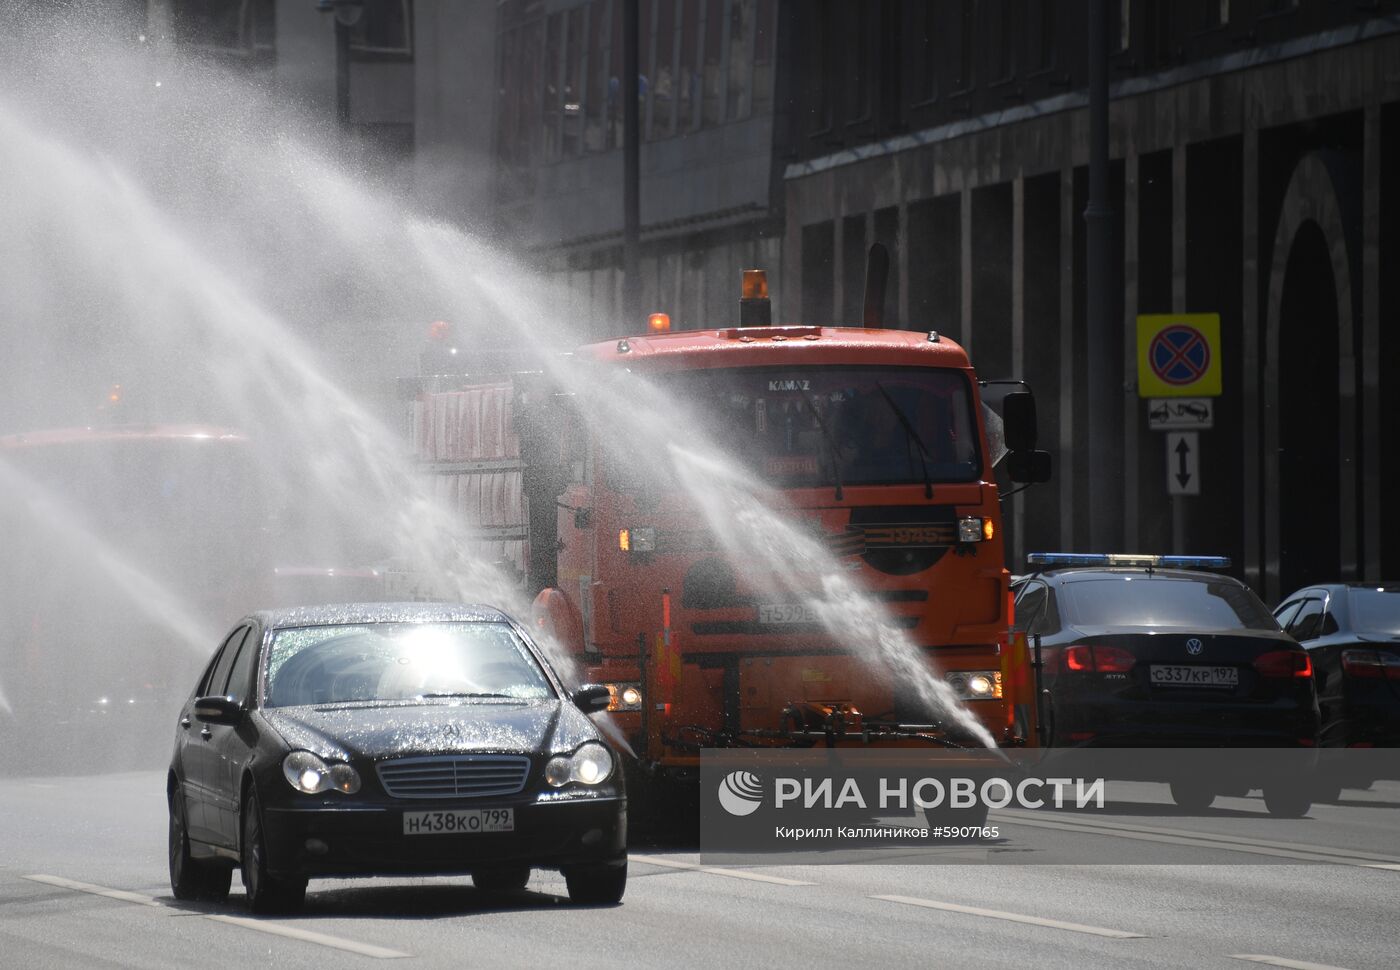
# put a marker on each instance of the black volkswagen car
(390, 739)
(1352, 633)
(1139, 652)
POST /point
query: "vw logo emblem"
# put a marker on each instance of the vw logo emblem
(1194, 646)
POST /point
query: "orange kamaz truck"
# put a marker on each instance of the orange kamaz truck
(875, 440)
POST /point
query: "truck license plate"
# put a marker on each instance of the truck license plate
(1187, 675)
(777, 613)
(459, 823)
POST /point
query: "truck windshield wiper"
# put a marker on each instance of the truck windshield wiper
(830, 443)
(912, 435)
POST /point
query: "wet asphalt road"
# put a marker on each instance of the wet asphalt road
(83, 884)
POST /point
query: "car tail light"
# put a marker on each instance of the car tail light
(1371, 663)
(1086, 658)
(1284, 663)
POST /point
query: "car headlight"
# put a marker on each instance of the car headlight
(591, 764)
(624, 697)
(976, 685)
(310, 775)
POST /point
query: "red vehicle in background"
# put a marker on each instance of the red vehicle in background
(126, 546)
(876, 440)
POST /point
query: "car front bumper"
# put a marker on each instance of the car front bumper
(368, 840)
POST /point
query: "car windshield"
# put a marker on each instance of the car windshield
(1164, 602)
(800, 427)
(1375, 610)
(399, 661)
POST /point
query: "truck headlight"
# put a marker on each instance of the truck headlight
(310, 775)
(974, 528)
(637, 540)
(624, 697)
(976, 685)
(591, 764)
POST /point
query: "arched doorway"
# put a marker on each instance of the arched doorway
(1310, 436)
(1309, 453)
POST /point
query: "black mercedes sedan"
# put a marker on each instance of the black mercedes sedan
(385, 739)
(1352, 633)
(1138, 652)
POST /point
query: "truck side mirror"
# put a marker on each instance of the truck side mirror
(1028, 466)
(1018, 420)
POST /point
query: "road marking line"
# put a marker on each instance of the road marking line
(1283, 962)
(718, 871)
(1182, 837)
(1013, 815)
(1014, 917)
(87, 887)
(262, 926)
(307, 936)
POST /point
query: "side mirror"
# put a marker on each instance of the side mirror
(1028, 467)
(592, 698)
(1018, 420)
(218, 710)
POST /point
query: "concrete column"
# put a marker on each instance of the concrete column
(1179, 502)
(1018, 340)
(1369, 530)
(1250, 429)
(1132, 406)
(1064, 467)
(965, 265)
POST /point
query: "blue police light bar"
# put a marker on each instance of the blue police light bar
(1126, 559)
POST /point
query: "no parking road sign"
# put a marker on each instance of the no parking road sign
(1179, 355)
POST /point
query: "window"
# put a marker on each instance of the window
(519, 108)
(598, 99)
(1162, 603)
(741, 16)
(1307, 620)
(662, 70)
(820, 56)
(1285, 613)
(241, 27)
(1035, 609)
(240, 678)
(218, 673)
(925, 68)
(384, 27)
(859, 55)
(713, 29)
(765, 42)
(965, 49)
(1376, 610)
(1001, 30)
(572, 106)
(400, 661)
(689, 80)
(1040, 35)
(550, 100)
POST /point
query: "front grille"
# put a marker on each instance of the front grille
(454, 776)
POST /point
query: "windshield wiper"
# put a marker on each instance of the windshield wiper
(458, 693)
(830, 443)
(912, 436)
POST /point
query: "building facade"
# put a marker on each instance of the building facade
(1255, 174)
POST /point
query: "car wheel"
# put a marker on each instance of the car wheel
(503, 881)
(191, 879)
(1286, 800)
(266, 893)
(597, 885)
(1191, 795)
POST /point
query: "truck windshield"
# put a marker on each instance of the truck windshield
(801, 427)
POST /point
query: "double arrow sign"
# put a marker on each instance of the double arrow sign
(1183, 463)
